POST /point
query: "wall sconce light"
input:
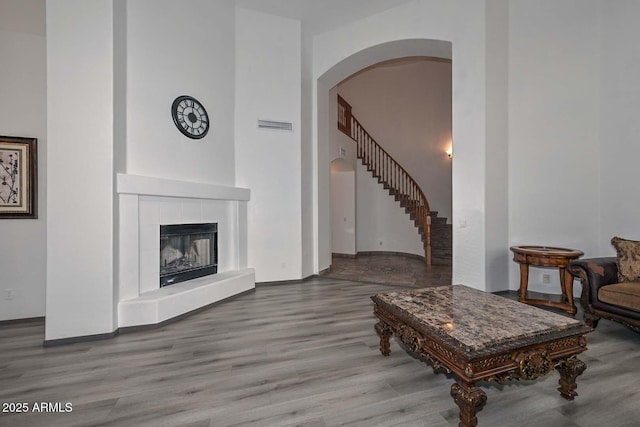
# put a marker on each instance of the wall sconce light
(449, 153)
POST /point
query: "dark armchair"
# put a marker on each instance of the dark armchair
(602, 294)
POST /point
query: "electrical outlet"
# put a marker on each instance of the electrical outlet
(8, 294)
(546, 278)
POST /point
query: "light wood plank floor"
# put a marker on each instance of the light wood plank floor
(296, 354)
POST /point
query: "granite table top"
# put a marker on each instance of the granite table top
(475, 320)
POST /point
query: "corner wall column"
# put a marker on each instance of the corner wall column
(80, 278)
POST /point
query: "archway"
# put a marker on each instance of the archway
(326, 113)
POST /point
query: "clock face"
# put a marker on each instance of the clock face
(190, 117)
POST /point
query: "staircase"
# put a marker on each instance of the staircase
(441, 240)
(434, 231)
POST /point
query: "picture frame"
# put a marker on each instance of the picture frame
(18, 177)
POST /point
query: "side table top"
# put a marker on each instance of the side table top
(546, 250)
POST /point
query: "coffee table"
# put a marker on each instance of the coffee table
(478, 336)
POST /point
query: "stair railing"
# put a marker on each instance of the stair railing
(388, 171)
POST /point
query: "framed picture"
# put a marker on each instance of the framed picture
(18, 177)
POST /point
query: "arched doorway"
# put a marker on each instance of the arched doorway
(326, 113)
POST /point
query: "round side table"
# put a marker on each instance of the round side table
(547, 257)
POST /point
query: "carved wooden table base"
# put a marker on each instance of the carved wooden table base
(443, 342)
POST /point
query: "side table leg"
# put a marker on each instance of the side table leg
(524, 282)
(568, 291)
(563, 285)
(384, 332)
(569, 370)
(470, 400)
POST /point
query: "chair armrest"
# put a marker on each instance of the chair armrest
(594, 273)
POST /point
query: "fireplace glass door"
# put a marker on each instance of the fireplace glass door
(187, 251)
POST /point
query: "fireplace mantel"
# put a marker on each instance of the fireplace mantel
(145, 203)
(151, 186)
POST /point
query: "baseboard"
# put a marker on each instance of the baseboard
(287, 282)
(23, 320)
(339, 255)
(381, 253)
(84, 338)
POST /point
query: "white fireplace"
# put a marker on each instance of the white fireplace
(146, 203)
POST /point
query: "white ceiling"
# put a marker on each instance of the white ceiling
(319, 16)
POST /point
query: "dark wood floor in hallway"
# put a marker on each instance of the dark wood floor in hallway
(293, 354)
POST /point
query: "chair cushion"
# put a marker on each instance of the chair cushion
(628, 259)
(625, 295)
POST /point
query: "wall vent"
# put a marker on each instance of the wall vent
(272, 124)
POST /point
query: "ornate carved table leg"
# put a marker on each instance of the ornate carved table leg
(569, 370)
(470, 400)
(384, 332)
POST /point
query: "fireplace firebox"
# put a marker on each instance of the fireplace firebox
(187, 251)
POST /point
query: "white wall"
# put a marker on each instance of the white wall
(463, 24)
(268, 86)
(180, 48)
(23, 113)
(343, 208)
(406, 108)
(498, 259)
(80, 282)
(381, 224)
(307, 157)
(619, 125)
(553, 128)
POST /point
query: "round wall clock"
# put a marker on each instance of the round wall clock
(190, 117)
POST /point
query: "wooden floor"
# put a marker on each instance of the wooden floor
(295, 354)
